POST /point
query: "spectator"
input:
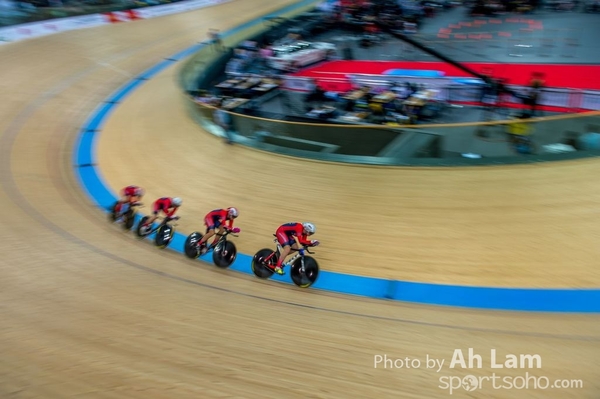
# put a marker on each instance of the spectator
(223, 119)
(266, 52)
(519, 132)
(490, 98)
(214, 37)
(536, 85)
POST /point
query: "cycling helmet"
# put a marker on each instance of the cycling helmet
(233, 212)
(139, 192)
(176, 202)
(309, 228)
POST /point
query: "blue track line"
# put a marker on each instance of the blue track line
(514, 299)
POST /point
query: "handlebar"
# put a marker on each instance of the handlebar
(304, 248)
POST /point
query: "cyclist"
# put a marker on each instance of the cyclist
(220, 219)
(293, 236)
(167, 205)
(130, 195)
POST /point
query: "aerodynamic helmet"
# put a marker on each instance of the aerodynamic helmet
(309, 228)
(233, 212)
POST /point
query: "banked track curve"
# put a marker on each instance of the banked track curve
(88, 312)
(521, 299)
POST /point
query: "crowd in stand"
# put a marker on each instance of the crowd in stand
(494, 7)
(249, 57)
(358, 15)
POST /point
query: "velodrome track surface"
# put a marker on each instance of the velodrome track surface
(105, 133)
(88, 311)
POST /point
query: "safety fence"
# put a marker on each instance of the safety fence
(101, 15)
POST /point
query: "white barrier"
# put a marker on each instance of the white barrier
(48, 27)
(159, 11)
(590, 100)
(52, 26)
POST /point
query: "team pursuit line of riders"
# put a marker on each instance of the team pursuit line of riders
(290, 237)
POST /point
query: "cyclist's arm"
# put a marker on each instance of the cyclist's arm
(304, 241)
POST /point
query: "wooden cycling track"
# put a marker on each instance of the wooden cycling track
(87, 311)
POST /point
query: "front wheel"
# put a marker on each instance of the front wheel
(224, 254)
(129, 219)
(191, 248)
(164, 235)
(140, 230)
(305, 277)
(260, 266)
(112, 215)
